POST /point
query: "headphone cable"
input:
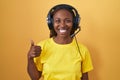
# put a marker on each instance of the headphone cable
(78, 47)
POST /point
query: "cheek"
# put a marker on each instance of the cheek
(70, 25)
(55, 26)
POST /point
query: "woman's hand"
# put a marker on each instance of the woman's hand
(34, 50)
(31, 67)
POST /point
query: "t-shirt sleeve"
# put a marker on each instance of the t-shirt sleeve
(38, 63)
(87, 62)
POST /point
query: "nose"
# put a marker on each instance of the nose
(62, 24)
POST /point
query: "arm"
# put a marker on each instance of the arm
(85, 76)
(32, 70)
(31, 67)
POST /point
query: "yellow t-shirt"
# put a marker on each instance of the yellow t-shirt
(63, 62)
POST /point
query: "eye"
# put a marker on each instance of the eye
(57, 21)
(68, 20)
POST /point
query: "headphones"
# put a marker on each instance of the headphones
(76, 17)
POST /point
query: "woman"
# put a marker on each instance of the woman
(60, 57)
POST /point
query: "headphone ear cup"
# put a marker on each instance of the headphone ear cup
(76, 22)
(49, 22)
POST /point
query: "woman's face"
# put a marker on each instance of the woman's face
(63, 22)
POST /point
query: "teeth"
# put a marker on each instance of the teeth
(61, 30)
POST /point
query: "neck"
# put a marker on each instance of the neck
(63, 40)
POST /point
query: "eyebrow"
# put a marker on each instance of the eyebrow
(60, 18)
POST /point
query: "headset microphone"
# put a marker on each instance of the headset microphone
(78, 30)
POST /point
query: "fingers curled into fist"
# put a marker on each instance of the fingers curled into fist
(34, 50)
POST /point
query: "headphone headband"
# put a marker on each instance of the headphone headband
(76, 16)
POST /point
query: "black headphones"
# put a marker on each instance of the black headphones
(76, 16)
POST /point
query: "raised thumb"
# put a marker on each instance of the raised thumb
(32, 43)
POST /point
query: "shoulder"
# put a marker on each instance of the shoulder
(82, 46)
(45, 42)
(84, 49)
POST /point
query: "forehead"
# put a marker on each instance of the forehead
(62, 13)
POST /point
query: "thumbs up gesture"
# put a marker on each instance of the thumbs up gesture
(34, 50)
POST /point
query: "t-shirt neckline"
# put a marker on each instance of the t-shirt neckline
(62, 44)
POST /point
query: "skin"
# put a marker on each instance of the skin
(31, 68)
(63, 22)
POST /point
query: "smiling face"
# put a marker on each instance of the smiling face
(63, 22)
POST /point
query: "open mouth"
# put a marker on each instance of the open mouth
(62, 30)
